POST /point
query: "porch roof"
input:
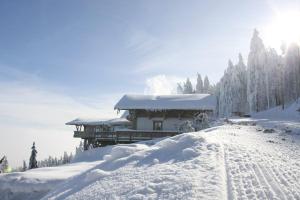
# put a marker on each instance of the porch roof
(109, 122)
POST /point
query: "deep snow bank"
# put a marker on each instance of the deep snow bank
(34, 184)
(187, 166)
(286, 120)
(163, 168)
(290, 113)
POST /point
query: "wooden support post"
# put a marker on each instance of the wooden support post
(85, 145)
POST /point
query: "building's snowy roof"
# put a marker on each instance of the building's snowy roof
(167, 102)
(110, 122)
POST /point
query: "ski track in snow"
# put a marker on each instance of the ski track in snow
(258, 170)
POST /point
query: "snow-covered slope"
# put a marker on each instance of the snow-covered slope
(187, 166)
(254, 158)
(290, 113)
(287, 119)
(34, 184)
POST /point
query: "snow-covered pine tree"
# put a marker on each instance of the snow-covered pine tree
(232, 90)
(199, 84)
(71, 157)
(179, 89)
(32, 160)
(24, 167)
(4, 165)
(65, 158)
(256, 81)
(187, 88)
(240, 87)
(225, 91)
(273, 72)
(79, 149)
(270, 79)
(206, 85)
(292, 73)
(217, 95)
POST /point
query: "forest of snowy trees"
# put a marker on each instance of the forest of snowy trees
(202, 87)
(269, 79)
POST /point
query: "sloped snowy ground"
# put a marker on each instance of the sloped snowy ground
(226, 162)
(238, 160)
(34, 184)
(187, 166)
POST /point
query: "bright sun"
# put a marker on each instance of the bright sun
(284, 28)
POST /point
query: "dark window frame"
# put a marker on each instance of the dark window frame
(161, 125)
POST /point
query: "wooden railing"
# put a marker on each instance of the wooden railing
(84, 134)
(126, 135)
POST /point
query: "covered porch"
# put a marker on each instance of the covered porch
(123, 136)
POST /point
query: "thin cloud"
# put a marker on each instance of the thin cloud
(36, 113)
(162, 84)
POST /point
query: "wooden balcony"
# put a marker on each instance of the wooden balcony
(83, 134)
(125, 136)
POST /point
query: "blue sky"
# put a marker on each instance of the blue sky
(93, 45)
(64, 59)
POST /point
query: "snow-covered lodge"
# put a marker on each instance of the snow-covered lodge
(147, 117)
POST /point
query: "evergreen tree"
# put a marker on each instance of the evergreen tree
(79, 149)
(232, 96)
(4, 168)
(206, 85)
(179, 89)
(188, 88)
(269, 80)
(71, 157)
(65, 158)
(256, 81)
(24, 168)
(199, 85)
(292, 73)
(32, 160)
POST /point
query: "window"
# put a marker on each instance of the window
(157, 125)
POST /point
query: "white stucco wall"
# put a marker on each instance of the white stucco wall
(169, 124)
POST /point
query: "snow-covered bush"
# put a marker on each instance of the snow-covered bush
(4, 168)
(201, 121)
(186, 126)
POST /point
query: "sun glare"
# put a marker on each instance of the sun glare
(283, 29)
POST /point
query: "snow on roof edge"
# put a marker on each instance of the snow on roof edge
(167, 102)
(113, 121)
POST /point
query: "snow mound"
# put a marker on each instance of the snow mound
(290, 113)
(122, 151)
(189, 153)
(95, 174)
(277, 119)
(170, 169)
(155, 161)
